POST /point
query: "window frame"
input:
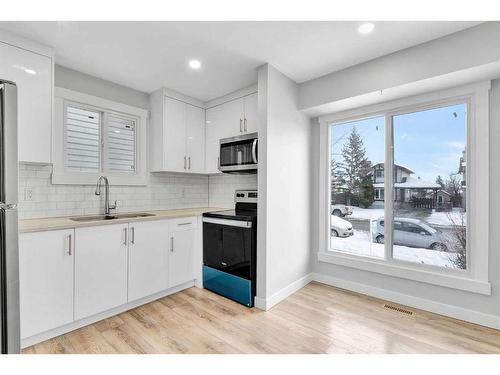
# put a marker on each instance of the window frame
(61, 175)
(475, 277)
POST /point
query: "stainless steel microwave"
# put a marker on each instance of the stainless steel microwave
(239, 155)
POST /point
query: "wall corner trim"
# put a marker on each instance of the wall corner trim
(267, 303)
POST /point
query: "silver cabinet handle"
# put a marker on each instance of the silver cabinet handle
(241, 128)
(189, 162)
(125, 241)
(70, 244)
(172, 244)
(132, 234)
(245, 122)
(218, 163)
(184, 162)
(184, 223)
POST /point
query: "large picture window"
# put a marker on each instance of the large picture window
(404, 188)
(428, 181)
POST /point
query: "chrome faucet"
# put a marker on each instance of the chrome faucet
(107, 207)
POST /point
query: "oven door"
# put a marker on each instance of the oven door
(239, 154)
(227, 246)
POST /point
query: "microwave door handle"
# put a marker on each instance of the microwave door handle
(254, 151)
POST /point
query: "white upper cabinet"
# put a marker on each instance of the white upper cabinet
(174, 127)
(229, 119)
(195, 139)
(251, 118)
(177, 136)
(45, 280)
(33, 74)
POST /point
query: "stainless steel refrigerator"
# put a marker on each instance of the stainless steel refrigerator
(9, 260)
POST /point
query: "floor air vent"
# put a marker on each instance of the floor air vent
(398, 309)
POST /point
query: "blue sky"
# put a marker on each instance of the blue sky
(428, 142)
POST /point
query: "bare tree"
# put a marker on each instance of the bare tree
(453, 185)
(459, 233)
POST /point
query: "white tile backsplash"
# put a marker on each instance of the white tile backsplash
(164, 191)
(221, 188)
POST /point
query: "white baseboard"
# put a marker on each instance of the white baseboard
(32, 340)
(267, 303)
(488, 320)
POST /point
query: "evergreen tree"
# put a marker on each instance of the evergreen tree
(337, 181)
(367, 193)
(356, 166)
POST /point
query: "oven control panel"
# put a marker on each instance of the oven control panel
(249, 196)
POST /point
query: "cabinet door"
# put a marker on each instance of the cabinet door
(148, 258)
(182, 240)
(175, 158)
(45, 280)
(251, 124)
(223, 121)
(195, 139)
(100, 268)
(32, 73)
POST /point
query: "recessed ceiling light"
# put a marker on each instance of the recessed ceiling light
(194, 64)
(366, 28)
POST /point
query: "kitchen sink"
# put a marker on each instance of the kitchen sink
(111, 217)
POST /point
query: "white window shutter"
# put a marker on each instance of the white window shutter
(120, 144)
(82, 139)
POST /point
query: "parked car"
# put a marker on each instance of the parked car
(341, 210)
(412, 233)
(340, 227)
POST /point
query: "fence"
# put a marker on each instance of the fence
(423, 202)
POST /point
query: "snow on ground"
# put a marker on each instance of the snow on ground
(435, 218)
(366, 213)
(360, 244)
(447, 218)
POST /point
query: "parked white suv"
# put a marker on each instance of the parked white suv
(341, 210)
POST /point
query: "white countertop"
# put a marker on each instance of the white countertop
(55, 223)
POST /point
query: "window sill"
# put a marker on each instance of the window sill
(407, 272)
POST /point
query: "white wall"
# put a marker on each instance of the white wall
(473, 47)
(284, 185)
(81, 82)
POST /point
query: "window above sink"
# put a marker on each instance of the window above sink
(94, 136)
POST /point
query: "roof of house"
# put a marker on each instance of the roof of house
(397, 166)
(412, 183)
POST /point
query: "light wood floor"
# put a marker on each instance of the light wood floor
(316, 319)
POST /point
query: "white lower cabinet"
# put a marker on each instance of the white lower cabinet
(45, 280)
(148, 258)
(182, 240)
(69, 275)
(101, 256)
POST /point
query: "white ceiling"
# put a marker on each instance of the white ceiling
(148, 55)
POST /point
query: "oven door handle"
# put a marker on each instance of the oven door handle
(228, 222)
(254, 150)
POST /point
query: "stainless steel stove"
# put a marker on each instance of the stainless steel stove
(229, 249)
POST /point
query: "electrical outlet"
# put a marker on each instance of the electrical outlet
(28, 194)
